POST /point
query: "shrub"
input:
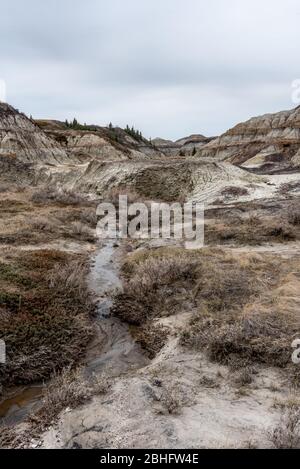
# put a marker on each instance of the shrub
(4, 188)
(152, 338)
(9, 438)
(80, 231)
(239, 341)
(41, 224)
(89, 217)
(234, 191)
(287, 187)
(114, 194)
(294, 215)
(46, 321)
(286, 434)
(59, 197)
(156, 283)
(67, 389)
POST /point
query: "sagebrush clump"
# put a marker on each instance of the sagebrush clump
(45, 314)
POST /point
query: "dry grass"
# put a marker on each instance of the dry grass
(58, 197)
(286, 434)
(11, 207)
(171, 400)
(41, 224)
(293, 214)
(9, 439)
(80, 231)
(288, 187)
(89, 217)
(251, 230)
(248, 315)
(244, 377)
(4, 188)
(156, 287)
(152, 338)
(240, 339)
(67, 389)
(244, 304)
(234, 191)
(73, 223)
(113, 195)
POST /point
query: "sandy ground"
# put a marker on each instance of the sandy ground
(211, 411)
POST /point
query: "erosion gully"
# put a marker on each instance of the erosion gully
(113, 351)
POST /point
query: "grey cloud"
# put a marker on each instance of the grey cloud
(171, 67)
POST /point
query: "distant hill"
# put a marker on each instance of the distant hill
(186, 146)
(270, 142)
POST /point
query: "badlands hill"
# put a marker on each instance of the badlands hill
(101, 143)
(21, 138)
(50, 142)
(269, 142)
(186, 146)
(95, 160)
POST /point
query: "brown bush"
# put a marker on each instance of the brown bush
(67, 389)
(89, 217)
(9, 439)
(262, 337)
(46, 323)
(287, 187)
(4, 188)
(234, 191)
(152, 338)
(42, 224)
(80, 231)
(286, 434)
(293, 215)
(251, 230)
(157, 286)
(58, 197)
(113, 195)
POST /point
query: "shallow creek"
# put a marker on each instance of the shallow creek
(113, 350)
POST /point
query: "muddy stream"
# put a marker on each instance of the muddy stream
(113, 351)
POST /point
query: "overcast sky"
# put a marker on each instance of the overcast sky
(170, 67)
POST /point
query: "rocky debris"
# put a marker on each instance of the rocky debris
(21, 138)
(269, 142)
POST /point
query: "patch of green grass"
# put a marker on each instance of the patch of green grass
(10, 273)
(10, 301)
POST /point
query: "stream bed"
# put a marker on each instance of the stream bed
(113, 351)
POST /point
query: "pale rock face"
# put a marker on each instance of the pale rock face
(92, 145)
(21, 138)
(270, 138)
